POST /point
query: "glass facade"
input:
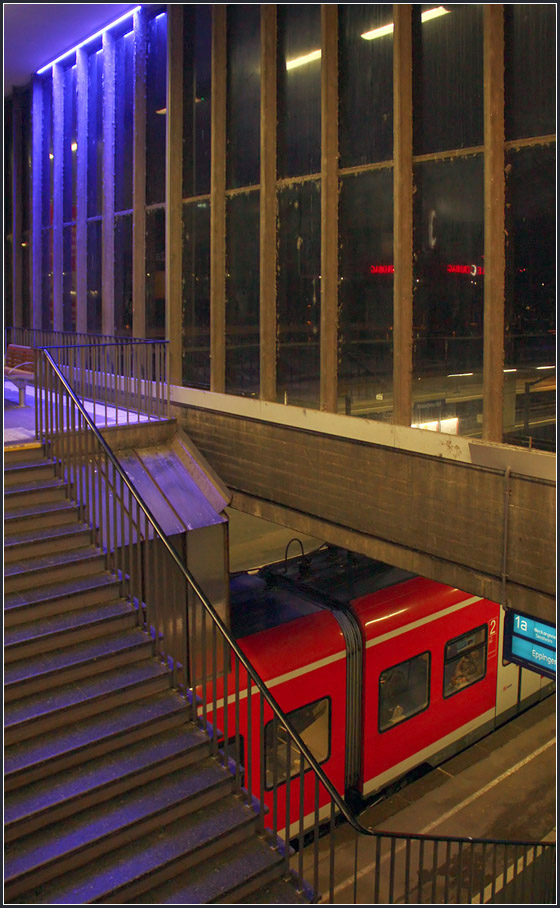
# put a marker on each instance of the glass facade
(450, 212)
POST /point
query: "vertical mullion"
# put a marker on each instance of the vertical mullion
(81, 191)
(329, 207)
(268, 205)
(402, 214)
(218, 201)
(37, 196)
(173, 192)
(108, 226)
(58, 168)
(494, 223)
(16, 226)
(139, 179)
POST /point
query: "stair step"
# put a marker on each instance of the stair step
(235, 872)
(126, 873)
(51, 513)
(44, 541)
(28, 471)
(54, 709)
(46, 569)
(51, 670)
(100, 779)
(35, 492)
(76, 742)
(21, 453)
(32, 638)
(30, 605)
(100, 830)
(282, 892)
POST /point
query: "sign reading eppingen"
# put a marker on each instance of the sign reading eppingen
(530, 643)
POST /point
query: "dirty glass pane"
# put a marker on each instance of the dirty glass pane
(47, 155)
(530, 69)
(95, 134)
(69, 278)
(465, 661)
(404, 691)
(242, 295)
(26, 143)
(197, 60)
(26, 281)
(156, 108)
(196, 294)
(155, 273)
(366, 83)
(70, 145)
(530, 311)
(243, 95)
(447, 77)
(94, 276)
(366, 294)
(47, 284)
(282, 756)
(448, 295)
(299, 294)
(123, 275)
(124, 114)
(299, 90)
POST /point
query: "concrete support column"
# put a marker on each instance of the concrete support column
(139, 179)
(81, 190)
(108, 228)
(402, 214)
(58, 211)
(218, 202)
(16, 189)
(268, 205)
(173, 193)
(494, 224)
(329, 208)
(36, 203)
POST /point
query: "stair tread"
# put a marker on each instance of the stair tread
(280, 892)
(71, 694)
(72, 834)
(34, 485)
(44, 534)
(99, 772)
(123, 866)
(215, 877)
(55, 560)
(58, 590)
(81, 735)
(66, 621)
(39, 509)
(14, 466)
(88, 651)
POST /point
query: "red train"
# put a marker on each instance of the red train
(379, 670)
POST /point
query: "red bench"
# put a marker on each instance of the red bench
(19, 368)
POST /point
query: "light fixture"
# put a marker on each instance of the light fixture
(460, 374)
(301, 61)
(545, 367)
(388, 29)
(74, 146)
(72, 50)
(162, 111)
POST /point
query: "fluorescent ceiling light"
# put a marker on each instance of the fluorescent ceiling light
(300, 61)
(388, 29)
(87, 40)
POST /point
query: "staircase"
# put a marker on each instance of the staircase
(111, 793)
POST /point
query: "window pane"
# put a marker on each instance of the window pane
(447, 78)
(196, 99)
(26, 142)
(299, 90)
(243, 95)
(196, 294)
(156, 110)
(366, 83)
(155, 273)
(530, 69)
(530, 313)
(448, 295)
(47, 284)
(70, 145)
(242, 295)
(465, 661)
(123, 275)
(299, 294)
(404, 691)
(47, 155)
(26, 280)
(69, 278)
(366, 293)
(95, 134)
(94, 276)
(124, 114)
(312, 723)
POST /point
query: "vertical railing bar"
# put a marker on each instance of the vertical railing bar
(274, 750)
(471, 869)
(434, 870)
(226, 662)
(262, 762)
(204, 669)
(392, 872)
(355, 883)
(301, 817)
(377, 870)
(332, 831)
(287, 810)
(482, 872)
(237, 721)
(494, 871)
(407, 871)
(315, 836)
(459, 872)
(214, 690)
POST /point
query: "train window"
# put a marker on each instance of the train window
(465, 660)
(404, 691)
(313, 724)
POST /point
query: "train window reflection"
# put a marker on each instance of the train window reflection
(465, 661)
(404, 691)
(282, 756)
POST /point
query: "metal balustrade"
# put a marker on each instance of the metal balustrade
(348, 864)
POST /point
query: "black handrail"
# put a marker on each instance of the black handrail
(335, 796)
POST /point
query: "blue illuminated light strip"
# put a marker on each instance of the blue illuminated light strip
(87, 40)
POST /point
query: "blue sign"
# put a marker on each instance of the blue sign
(531, 643)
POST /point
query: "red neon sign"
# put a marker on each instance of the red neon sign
(382, 269)
(473, 270)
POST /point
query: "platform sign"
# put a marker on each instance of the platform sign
(530, 642)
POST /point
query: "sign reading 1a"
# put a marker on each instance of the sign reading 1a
(530, 642)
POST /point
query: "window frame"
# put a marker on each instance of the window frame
(289, 714)
(397, 665)
(468, 649)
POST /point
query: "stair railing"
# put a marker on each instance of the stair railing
(353, 863)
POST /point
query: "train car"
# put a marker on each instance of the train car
(380, 671)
